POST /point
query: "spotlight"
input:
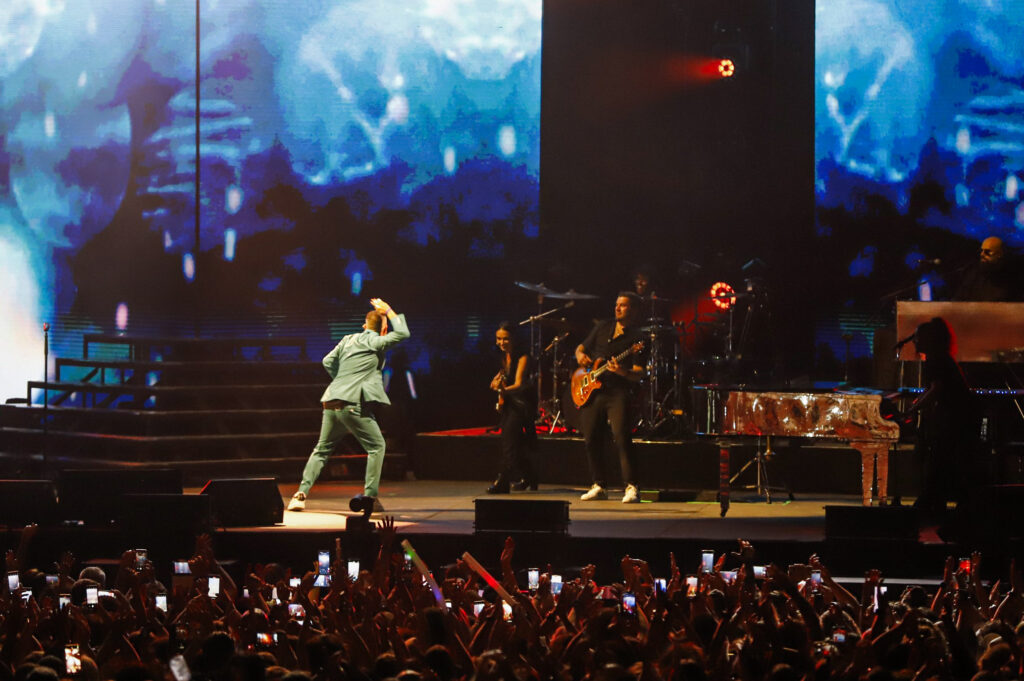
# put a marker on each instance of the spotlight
(723, 295)
(726, 68)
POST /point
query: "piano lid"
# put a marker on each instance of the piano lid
(838, 416)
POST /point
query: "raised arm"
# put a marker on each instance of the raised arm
(398, 330)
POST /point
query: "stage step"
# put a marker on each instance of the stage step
(116, 395)
(178, 348)
(235, 372)
(161, 447)
(196, 472)
(153, 422)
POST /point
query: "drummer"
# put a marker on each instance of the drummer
(653, 308)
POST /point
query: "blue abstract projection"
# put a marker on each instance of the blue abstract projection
(334, 138)
(920, 103)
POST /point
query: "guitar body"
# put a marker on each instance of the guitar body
(583, 384)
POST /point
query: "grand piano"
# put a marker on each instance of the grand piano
(989, 342)
(732, 416)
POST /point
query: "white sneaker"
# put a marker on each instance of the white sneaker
(595, 492)
(632, 495)
(298, 502)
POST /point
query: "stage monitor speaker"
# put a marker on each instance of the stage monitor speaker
(244, 502)
(155, 517)
(94, 495)
(521, 515)
(27, 501)
(871, 522)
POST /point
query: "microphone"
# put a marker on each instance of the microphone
(928, 261)
(911, 337)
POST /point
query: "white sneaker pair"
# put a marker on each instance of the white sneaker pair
(596, 492)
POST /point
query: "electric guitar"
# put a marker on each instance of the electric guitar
(501, 397)
(584, 383)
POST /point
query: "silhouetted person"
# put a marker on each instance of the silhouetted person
(948, 439)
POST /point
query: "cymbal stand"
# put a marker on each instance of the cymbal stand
(653, 359)
(674, 394)
(556, 393)
(760, 461)
(536, 336)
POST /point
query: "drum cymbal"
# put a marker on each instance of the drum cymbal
(572, 295)
(537, 288)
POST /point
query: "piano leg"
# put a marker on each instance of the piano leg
(874, 461)
(723, 479)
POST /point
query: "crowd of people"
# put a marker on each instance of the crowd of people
(730, 619)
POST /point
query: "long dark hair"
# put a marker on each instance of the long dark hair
(935, 337)
(511, 330)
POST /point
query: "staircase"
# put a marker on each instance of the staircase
(211, 407)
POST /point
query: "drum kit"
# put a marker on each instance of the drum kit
(662, 401)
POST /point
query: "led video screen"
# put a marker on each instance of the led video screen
(345, 149)
(919, 146)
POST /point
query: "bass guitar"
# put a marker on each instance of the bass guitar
(584, 383)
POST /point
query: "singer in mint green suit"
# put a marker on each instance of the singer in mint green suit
(356, 388)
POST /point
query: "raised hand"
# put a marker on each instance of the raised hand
(387, 532)
(380, 306)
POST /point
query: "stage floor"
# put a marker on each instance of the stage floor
(447, 507)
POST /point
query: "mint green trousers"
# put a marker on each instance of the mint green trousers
(359, 420)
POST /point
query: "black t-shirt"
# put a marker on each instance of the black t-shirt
(994, 283)
(599, 344)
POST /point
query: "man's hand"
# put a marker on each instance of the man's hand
(583, 359)
(615, 367)
(380, 306)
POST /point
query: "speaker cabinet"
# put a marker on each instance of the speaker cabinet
(27, 501)
(521, 515)
(237, 502)
(94, 495)
(871, 522)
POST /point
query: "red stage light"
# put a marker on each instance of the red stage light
(726, 68)
(723, 295)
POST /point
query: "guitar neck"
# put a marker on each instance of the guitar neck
(617, 358)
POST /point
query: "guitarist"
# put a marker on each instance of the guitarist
(611, 403)
(517, 409)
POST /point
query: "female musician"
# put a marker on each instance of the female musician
(517, 407)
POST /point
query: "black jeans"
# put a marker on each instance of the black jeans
(608, 407)
(518, 442)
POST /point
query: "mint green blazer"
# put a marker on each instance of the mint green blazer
(356, 362)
